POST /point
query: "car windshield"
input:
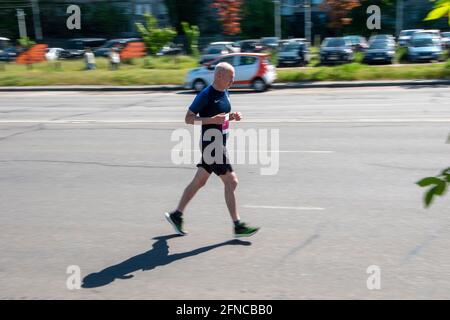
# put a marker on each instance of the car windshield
(214, 50)
(379, 45)
(423, 42)
(81, 44)
(406, 33)
(4, 44)
(446, 34)
(290, 47)
(336, 42)
(353, 39)
(269, 40)
(75, 45)
(110, 43)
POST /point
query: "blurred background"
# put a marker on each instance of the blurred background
(183, 35)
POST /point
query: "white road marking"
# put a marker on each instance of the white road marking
(256, 151)
(282, 207)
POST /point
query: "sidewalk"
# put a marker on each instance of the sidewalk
(290, 85)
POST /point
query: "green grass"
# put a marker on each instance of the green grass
(143, 71)
(172, 70)
(356, 71)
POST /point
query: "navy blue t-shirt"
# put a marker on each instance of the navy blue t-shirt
(209, 103)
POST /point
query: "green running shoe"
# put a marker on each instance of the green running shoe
(242, 230)
(176, 220)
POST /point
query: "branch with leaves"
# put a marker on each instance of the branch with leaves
(229, 15)
(441, 10)
(439, 186)
(192, 34)
(154, 38)
(338, 11)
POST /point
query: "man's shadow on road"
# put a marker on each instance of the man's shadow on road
(156, 257)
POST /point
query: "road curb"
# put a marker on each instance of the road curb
(356, 84)
(289, 85)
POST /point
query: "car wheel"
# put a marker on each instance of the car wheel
(199, 85)
(259, 85)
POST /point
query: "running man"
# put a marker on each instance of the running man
(212, 109)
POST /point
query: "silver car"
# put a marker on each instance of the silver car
(405, 36)
(425, 48)
(216, 49)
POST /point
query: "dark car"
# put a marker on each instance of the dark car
(382, 37)
(293, 53)
(105, 49)
(7, 51)
(75, 47)
(336, 50)
(358, 43)
(380, 52)
(270, 43)
(170, 50)
(251, 45)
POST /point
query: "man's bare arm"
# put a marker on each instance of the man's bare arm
(191, 117)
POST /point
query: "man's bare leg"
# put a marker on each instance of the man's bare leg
(196, 184)
(230, 181)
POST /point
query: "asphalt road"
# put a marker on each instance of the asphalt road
(85, 179)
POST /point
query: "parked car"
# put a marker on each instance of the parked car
(251, 45)
(293, 53)
(380, 51)
(382, 37)
(252, 70)
(76, 47)
(405, 36)
(446, 40)
(105, 50)
(170, 50)
(53, 54)
(270, 43)
(358, 43)
(425, 47)
(7, 51)
(432, 32)
(336, 50)
(216, 49)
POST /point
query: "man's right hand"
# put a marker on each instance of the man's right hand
(218, 119)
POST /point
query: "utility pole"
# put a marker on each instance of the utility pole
(22, 24)
(133, 16)
(277, 12)
(307, 5)
(399, 17)
(36, 19)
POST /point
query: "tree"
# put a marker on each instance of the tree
(229, 15)
(184, 11)
(441, 10)
(154, 37)
(257, 18)
(359, 17)
(192, 34)
(338, 12)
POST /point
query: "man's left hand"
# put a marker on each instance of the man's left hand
(236, 116)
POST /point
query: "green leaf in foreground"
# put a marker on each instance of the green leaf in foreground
(429, 181)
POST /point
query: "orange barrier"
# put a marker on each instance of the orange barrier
(133, 50)
(35, 54)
